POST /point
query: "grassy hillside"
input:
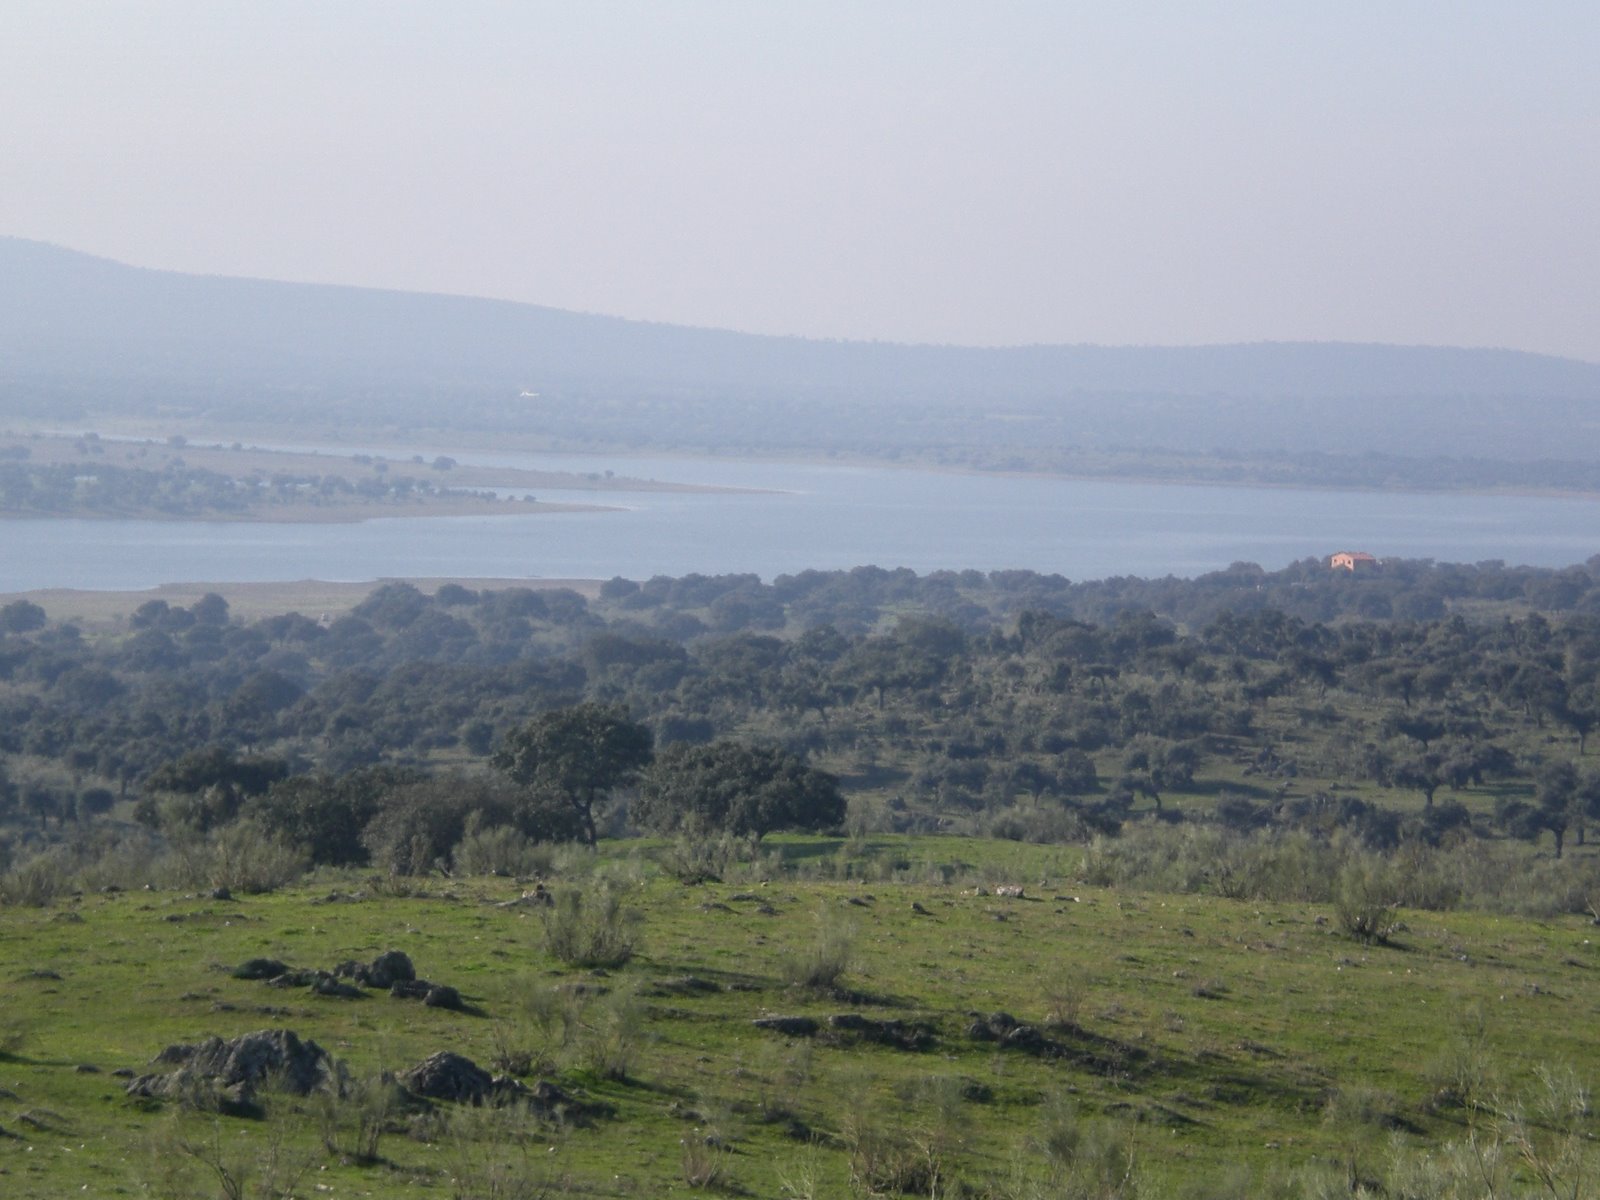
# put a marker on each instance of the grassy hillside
(1179, 1045)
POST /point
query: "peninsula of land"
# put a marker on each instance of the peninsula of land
(87, 475)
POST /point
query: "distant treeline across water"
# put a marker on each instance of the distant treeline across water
(820, 517)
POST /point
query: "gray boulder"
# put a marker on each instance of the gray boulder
(447, 1076)
(233, 1070)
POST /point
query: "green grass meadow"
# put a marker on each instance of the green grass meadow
(1223, 1047)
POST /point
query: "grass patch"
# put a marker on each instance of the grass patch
(1203, 1040)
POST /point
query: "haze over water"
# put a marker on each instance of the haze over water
(818, 517)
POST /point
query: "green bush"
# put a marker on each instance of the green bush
(590, 931)
(1364, 904)
(612, 1032)
(353, 1117)
(822, 965)
(240, 856)
(38, 881)
(699, 858)
(499, 850)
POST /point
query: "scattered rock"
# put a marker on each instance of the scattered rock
(331, 986)
(1026, 1037)
(547, 1098)
(990, 1028)
(789, 1026)
(86, 1069)
(389, 968)
(234, 1069)
(441, 996)
(454, 1078)
(1005, 1029)
(902, 1035)
(434, 995)
(539, 897)
(221, 893)
(43, 1119)
(974, 1092)
(447, 1076)
(686, 985)
(341, 898)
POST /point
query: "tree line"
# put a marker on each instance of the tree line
(1009, 703)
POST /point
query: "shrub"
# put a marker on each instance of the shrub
(495, 1153)
(247, 859)
(353, 1116)
(240, 856)
(1362, 1104)
(612, 1032)
(594, 932)
(827, 960)
(695, 859)
(705, 1162)
(1064, 997)
(1364, 904)
(37, 881)
(499, 850)
(543, 1024)
(1085, 1158)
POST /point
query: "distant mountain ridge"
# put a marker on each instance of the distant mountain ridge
(81, 336)
(68, 312)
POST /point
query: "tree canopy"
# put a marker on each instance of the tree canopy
(731, 786)
(579, 753)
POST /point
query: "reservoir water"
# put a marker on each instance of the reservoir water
(817, 516)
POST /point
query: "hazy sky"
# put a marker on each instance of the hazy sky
(1120, 172)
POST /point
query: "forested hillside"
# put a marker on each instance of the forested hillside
(1415, 703)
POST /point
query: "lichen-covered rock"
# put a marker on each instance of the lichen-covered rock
(434, 995)
(234, 1069)
(447, 1076)
(330, 985)
(389, 968)
(440, 995)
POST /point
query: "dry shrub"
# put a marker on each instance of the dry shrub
(822, 965)
(591, 931)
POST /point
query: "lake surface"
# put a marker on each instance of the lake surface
(821, 517)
